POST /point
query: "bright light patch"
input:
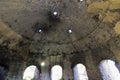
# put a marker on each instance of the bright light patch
(55, 13)
(70, 31)
(109, 70)
(39, 30)
(29, 73)
(81, 0)
(42, 63)
(56, 72)
(80, 72)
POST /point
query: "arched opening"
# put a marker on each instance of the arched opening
(109, 70)
(2, 73)
(80, 72)
(56, 72)
(31, 73)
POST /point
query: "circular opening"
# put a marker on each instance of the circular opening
(55, 13)
(40, 30)
(70, 31)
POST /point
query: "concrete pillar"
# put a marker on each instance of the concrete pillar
(45, 70)
(91, 67)
(16, 70)
(67, 70)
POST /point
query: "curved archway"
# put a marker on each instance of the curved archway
(31, 73)
(109, 70)
(56, 72)
(2, 73)
(80, 72)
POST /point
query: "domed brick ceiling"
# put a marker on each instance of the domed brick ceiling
(90, 24)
